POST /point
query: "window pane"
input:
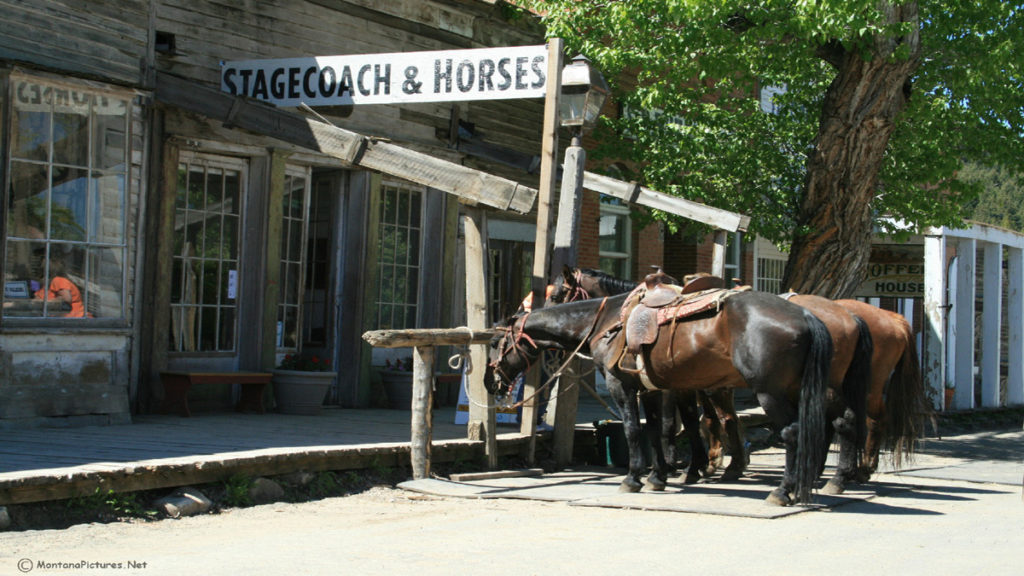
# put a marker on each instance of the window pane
(108, 212)
(111, 141)
(26, 215)
(31, 133)
(69, 199)
(71, 137)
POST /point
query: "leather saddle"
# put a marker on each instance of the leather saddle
(656, 301)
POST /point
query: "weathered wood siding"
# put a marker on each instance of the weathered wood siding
(103, 39)
(210, 32)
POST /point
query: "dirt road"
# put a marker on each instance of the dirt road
(938, 526)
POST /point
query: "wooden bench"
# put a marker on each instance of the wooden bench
(177, 385)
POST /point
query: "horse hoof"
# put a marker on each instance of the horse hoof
(658, 486)
(778, 497)
(692, 478)
(833, 487)
(629, 487)
(862, 475)
(731, 475)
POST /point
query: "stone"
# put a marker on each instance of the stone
(5, 518)
(265, 490)
(184, 502)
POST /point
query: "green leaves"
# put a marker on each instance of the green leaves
(706, 61)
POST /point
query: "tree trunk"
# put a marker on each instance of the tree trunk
(832, 243)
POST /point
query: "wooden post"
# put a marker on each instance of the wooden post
(935, 310)
(718, 257)
(963, 336)
(564, 399)
(482, 423)
(1015, 329)
(549, 149)
(991, 323)
(422, 415)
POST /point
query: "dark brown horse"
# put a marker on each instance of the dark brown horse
(755, 340)
(850, 372)
(662, 407)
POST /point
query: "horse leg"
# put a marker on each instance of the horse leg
(846, 466)
(699, 461)
(872, 446)
(660, 429)
(626, 401)
(781, 496)
(712, 426)
(779, 413)
(722, 404)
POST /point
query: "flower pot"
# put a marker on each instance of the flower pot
(299, 392)
(398, 387)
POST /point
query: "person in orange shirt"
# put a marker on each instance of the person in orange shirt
(62, 290)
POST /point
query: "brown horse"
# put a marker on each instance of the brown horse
(850, 372)
(897, 407)
(777, 349)
(719, 415)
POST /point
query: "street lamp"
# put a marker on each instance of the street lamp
(583, 94)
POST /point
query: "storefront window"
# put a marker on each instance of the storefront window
(614, 241)
(399, 256)
(66, 245)
(205, 274)
(293, 239)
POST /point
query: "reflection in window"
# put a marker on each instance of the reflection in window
(399, 256)
(204, 281)
(66, 203)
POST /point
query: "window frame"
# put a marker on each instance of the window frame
(241, 167)
(408, 188)
(96, 173)
(625, 255)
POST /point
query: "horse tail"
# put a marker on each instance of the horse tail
(906, 405)
(811, 447)
(857, 382)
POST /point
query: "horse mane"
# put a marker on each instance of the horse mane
(607, 282)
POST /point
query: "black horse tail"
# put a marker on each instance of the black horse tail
(906, 405)
(857, 382)
(811, 445)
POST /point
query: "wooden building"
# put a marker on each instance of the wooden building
(193, 231)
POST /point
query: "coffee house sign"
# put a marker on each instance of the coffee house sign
(894, 271)
(394, 78)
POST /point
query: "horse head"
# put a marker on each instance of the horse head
(510, 354)
(569, 287)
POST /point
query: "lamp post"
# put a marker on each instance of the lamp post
(583, 92)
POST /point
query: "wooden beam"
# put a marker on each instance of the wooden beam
(473, 186)
(630, 192)
(428, 337)
(541, 256)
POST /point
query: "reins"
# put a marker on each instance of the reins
(561, 369)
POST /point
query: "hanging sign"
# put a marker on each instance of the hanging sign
(401, 77)
(894, 271)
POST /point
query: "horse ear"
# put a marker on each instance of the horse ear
(568, 275)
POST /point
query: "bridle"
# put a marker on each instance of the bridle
(577, 291)
(512, 341)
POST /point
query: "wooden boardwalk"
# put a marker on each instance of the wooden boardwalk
(159, 451)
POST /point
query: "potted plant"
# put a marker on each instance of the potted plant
(301, 383)
(396, 376)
